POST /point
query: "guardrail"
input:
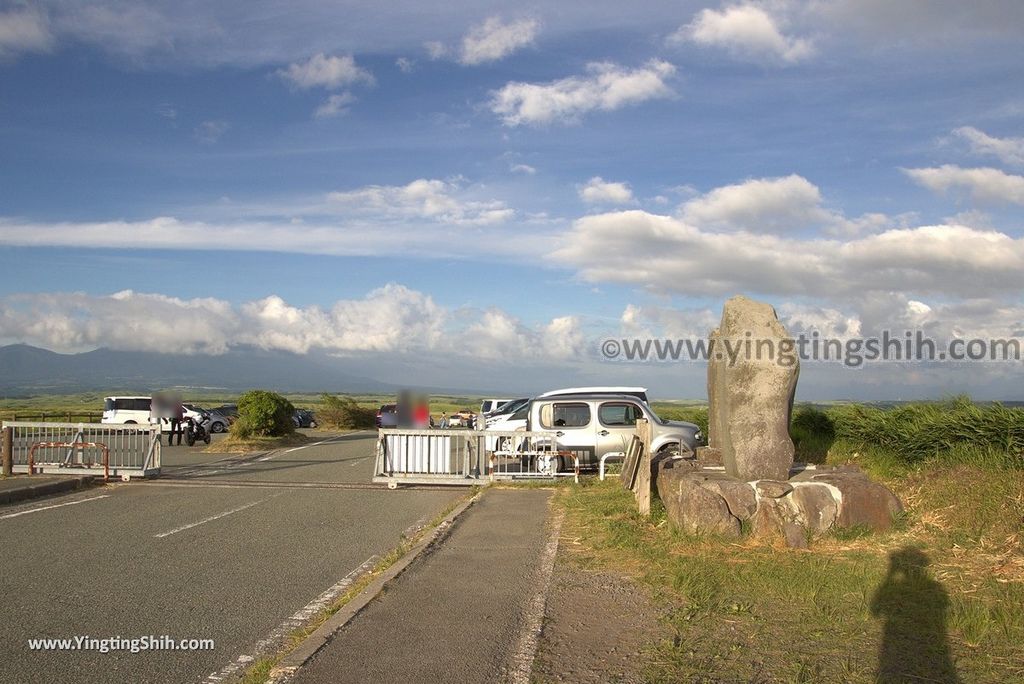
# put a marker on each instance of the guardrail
(466, 457)
(131, 450)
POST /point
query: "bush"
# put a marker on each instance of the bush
(263, 414)
(344, 413)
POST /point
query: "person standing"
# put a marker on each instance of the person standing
(177, 415)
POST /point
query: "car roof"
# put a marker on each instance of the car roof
(592, 396)
(592, 390)
(127, 396)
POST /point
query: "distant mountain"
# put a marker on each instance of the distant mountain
(26, 369)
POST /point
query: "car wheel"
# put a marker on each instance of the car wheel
(217, 427)
(313, 424)
(130, 422)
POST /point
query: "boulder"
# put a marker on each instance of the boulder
(751, 394)
(816, 507)
(777, 518)
(739, 496)
(772, 489)
(709, 456)
(861, 501)
(693, 508)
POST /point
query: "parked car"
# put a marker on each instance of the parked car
(505, 409)
(229, 411)
(507, 422)
(490, 405)
(462, 418)
(304, 418)
(218, 422)
(638, 392)
(594, 424)
(387, 416)
(126, 410)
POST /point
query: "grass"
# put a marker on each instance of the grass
(750, 611)
(260, 670)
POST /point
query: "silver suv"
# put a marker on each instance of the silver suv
(592, 425)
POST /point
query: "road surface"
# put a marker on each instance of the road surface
(220, 548)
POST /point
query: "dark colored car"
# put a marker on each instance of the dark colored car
(229, 411)
(304, 418)
(387, 416)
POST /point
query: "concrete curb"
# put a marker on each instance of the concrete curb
(34, 491)
(290, 664)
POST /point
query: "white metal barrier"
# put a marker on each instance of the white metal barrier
(70, 448)
(466, 457)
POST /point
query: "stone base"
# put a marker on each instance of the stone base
(809, 504)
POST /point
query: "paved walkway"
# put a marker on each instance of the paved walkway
(23, 487)
(463, 612)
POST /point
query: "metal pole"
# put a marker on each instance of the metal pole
(8, 451)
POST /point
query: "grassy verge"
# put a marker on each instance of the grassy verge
(236, 445)
(943, 589)
(260, 670)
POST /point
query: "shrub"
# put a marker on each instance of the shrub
(344, 413)
(263, 414)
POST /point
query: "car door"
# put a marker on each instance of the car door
(572, 424)
(615, 425)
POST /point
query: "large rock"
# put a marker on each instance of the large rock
(778, 517)
(861, 501)
(739, 496)
(692, 507)
(751, 398)
(816, 506)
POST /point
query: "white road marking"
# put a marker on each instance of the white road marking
(272, 641)
(46, 508)
(306, 446)
(210, 519)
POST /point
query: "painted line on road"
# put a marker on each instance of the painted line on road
(210, 519)
(47, 508)
(526, 648)
(275, 454)
(273, 641)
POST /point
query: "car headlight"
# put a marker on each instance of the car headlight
(698, 437)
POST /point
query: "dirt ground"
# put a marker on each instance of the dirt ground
(596, 627)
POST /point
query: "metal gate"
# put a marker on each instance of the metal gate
(467, 457)
(123, 451)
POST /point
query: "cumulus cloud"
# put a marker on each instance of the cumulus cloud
(23, 30)
(667, 254)
(334, 105)
(393, 319)
(599, 191)
(423, 198)
(1007, 150)
(605, 87)
(322, 71)
(982, 184)
(522, 168)
(747, 31)
(495, 39)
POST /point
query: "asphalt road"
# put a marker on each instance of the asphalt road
(220, 548)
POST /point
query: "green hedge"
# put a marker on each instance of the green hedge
(344, 413)
(263, 414)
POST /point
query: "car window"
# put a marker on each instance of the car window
(619, 414)
(522, 413)
(567, 415)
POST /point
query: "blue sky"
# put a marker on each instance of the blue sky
(511, 183)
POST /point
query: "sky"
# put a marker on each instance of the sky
(476, 194)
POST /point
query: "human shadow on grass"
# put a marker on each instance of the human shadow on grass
(915, 643)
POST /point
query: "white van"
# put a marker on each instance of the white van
(126, 410)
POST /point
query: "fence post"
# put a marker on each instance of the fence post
(8, 451)
(642, 490)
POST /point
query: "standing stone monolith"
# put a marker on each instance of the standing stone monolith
(752, 377)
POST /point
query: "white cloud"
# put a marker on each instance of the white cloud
(321, 71)
(393, 319)
(522, 168)
(606, 87)
(22, 30)
(746, 31)
(209, 132)
(427, 199)
(494, 40)
(669, 255)
(334, 105)
(983, 184)
(405, 65)
(1007, 150)
(599, 191)
(775, 205)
